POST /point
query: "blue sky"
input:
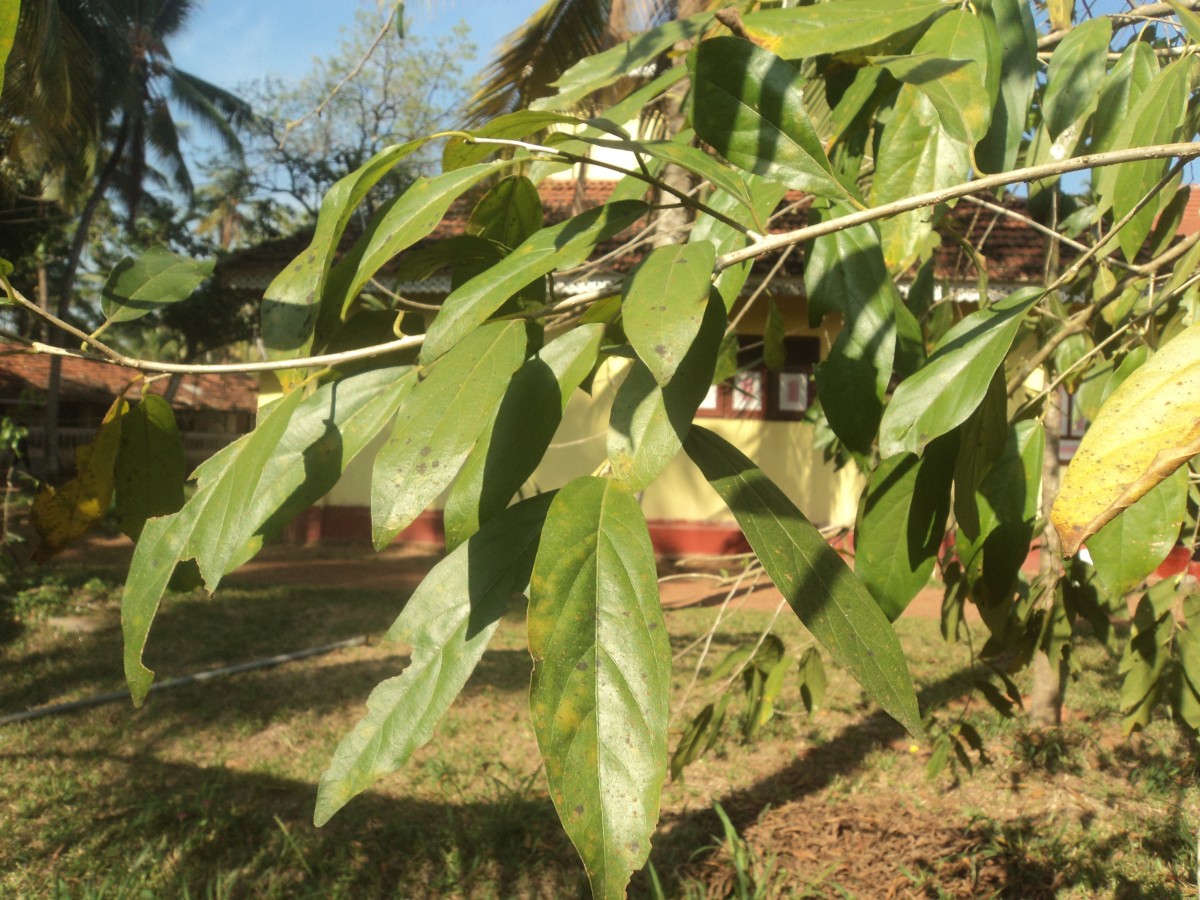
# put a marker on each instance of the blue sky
(231, 41)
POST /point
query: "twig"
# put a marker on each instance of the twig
(350, 76)
(565, 155)
(1150, 10)
(1079, 321)
(758, 291)
(932, 198)
(771, 243)
(1030, 222)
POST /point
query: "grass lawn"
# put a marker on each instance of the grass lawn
(208, 790)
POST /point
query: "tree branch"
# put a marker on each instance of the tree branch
(1150, 10)
(932, 198)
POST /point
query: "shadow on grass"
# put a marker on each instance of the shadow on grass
(191, 633)
(211, 830)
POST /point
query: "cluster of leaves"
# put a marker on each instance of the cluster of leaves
(763, 670)
(882, 112)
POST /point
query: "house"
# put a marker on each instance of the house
(761, 411)
(211, 411)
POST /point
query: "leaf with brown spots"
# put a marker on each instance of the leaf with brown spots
(440, 423)
(664, 302)
(1148, 428)
(65, 514)
(601, 677)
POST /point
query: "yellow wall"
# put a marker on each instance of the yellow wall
(783, 450)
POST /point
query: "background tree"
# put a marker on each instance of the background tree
(305, 136)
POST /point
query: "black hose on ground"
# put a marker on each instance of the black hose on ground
(56, 709)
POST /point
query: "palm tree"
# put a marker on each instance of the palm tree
(557, 36)
(87, 102)
(142, 84)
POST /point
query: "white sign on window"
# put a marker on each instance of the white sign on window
(793, 392)
(748, 392)
(712, 400)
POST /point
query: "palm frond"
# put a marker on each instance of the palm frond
(214, 108)
(536, 54)
(558, 35)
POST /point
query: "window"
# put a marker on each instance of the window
(1073, 425)
(756, 392)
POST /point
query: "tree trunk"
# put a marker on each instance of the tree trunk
(1049, 675)
(66, 290)
(672, 223)
(54, 385)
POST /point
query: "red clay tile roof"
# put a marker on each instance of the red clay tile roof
(1190, 223)
(1014, 252)
(85, 380)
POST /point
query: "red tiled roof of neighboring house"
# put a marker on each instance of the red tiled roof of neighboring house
(1190, 223)
(86, 380)
(1013, 251)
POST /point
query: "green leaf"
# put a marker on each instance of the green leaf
(983, 440)
(1160, 120)
(292, 301)
(448, 622)
(648, 423)
(10, 14)
(515, 126)
(1147, 428)
(901, 523)
(507, 214)
(602, 69)
(601, 677)
(149, 471)
(915, 155)
(694, 742)
(943, 394)
(1188, 18)
(400, 224)
(249, 490)
(845, 271)
(1134, 543)
(765, 196)
(748, 105)
(1117, 106)
(439, 424)
(613, 123)
(665, 298)
(774, 337)
(157, 278)
(509, 451)
(1016, 36)
(1006, 502)
(812, 680)
(62, 515)
(560, 246)
(1074, 74)
(1146, 655)
(949, 66)
(203, 530)
(804, 31)
(819, 586)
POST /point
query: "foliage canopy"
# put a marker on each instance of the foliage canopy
(884, 113)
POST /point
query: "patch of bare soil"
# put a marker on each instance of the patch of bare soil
(868, 848)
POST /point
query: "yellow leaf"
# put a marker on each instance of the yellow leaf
(65, 514)
(1060, 13)
(1148, 428)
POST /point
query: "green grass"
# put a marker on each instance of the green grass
(208, 790)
